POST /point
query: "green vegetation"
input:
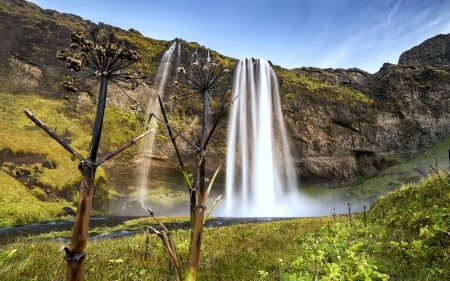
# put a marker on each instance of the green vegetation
(21, 136)
(148, 48)
(19, 206)
(366, 190)
(229, 253)
(49, 169)
(296, 82)
(404, 237)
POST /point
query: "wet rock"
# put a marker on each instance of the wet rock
(133, 208)
(67, 212)
(49, 165)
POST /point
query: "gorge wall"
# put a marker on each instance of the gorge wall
(343, 122)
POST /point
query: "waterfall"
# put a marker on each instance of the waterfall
(260, 175)
(146, 148)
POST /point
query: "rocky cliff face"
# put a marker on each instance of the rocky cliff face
(343, 122)
(348, 123)
(434, 51)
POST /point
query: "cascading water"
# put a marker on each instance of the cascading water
(260, 176)
(146, 149)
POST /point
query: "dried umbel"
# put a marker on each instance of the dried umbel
(103, 57)
(203, 74)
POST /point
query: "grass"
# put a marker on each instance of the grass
(21, 135)
(54, 170)
(229, 253)
(15, 202)
(403, 237)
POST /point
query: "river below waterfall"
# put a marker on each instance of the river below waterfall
(9, 234)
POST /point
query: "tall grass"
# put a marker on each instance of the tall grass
(405, 238)
(229, 253)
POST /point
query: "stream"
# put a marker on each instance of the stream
(10, 234)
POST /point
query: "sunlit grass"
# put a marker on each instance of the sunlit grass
(19, 206)
(404, 238)
(228, 253)
(21, 135)
(22, 139)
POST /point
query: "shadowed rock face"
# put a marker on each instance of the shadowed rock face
(337, 139)
(434, 51)
(342, 122)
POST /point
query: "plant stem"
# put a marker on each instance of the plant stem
(75, 255)
(200, 206)
(98, 123)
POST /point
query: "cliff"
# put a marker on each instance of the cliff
(343, 123)
(434, 52)
(347, 123)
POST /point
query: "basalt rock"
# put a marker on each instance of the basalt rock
(348, 123)
(434, 52)
(342, 122)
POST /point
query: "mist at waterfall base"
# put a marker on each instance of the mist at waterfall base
(260, 174)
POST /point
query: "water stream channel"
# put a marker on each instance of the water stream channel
(10, 234)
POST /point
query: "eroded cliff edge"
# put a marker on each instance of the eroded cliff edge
(342, 122)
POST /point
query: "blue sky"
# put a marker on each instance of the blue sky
(290, 33)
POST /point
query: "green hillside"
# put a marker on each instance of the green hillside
(41, 166)
(405, 236)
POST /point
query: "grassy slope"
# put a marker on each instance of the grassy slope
(20, 135)
(406, 237)
(23, 138)
(15, 202)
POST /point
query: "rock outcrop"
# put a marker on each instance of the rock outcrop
(343, 122)
(348, 123)
(434, 52)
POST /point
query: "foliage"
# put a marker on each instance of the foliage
(240, 250)
(415, 224)
(296, 82)
(24, 141)
(18, 206)
(336, 252)
(406, 238)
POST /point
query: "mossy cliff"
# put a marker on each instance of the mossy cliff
(343, 123)
(346, 122)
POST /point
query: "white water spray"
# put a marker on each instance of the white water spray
(146, 149)
(260, 176)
